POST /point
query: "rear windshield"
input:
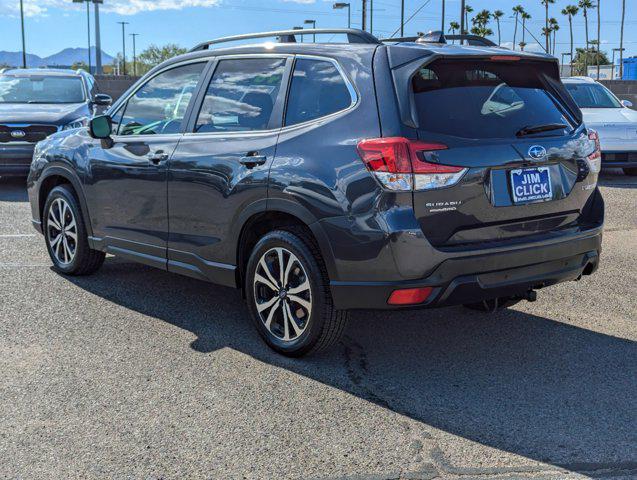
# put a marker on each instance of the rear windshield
(482, 99)
(592, 95)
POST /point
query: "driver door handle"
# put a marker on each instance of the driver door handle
(157, 157)
(253, 159)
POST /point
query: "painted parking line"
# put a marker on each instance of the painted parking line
(19, 235)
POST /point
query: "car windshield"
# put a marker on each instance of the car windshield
(40, 89)
(592, 95)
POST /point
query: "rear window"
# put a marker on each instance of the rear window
(483, 99)
(592, 95)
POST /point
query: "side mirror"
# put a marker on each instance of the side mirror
(100, 127)
(102, 100)
(627, 103)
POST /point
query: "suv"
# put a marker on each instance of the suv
(613, 119)
(320, 178)
(35, 103)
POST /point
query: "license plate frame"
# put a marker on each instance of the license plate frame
(536, 188)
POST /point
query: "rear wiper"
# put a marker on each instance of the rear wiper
(531, 129)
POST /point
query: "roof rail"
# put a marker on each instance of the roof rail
(438, 37)
(289, 36)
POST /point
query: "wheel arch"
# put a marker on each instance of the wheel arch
(273, 215)
(54, 176)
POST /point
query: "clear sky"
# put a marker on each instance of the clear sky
(52, 25)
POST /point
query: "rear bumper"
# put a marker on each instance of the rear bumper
(482, 277)
(15, 159)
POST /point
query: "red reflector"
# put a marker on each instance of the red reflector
(409, 296)
(505, 58)
(399, 155)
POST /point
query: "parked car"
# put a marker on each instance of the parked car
(34, 103)
(612, 118)
(321, 178)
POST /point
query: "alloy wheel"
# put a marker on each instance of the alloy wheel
(282, 294)
(62, 231)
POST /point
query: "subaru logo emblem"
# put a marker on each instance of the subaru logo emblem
(18, 133)
(537, 152)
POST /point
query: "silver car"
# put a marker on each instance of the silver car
(613, 119)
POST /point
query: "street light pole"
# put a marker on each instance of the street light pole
(98, 40)
(88, 31)
(24, 51)
(134, 35)
(340, 5)
(313, 23)
(402, 18)
(462, 25)
(123, 24)
(364, 19)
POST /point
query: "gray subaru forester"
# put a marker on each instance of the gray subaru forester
(320, 178)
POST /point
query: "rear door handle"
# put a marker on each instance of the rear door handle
(252, 161)
(157, 157)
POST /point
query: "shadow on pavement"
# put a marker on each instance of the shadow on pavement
(13, 189)
(513, 381)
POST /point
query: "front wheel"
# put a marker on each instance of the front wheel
(631, 172)
(287, 290)
(65, 234)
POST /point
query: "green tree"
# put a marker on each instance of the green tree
(480, 24)
(80, 66)
(586, 5)
(570, 11)
(585, 57)
(155, 55)
(497, 15)
(525, 16)
(517, 11)
(453, 28)
(547, 27)
(554, 27)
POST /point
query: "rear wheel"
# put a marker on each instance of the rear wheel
(65, 234)
(288, 295)
(631, 172)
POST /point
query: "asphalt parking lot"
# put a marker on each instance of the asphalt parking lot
(134, 373)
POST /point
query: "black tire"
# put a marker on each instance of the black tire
(324, 325)
(493, 304)
(631, 172)
(85, 260)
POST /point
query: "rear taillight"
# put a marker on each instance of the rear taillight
(595, 158)
(396, 163)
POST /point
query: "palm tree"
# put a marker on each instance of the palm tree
(570, 11)
(525, 16)
(586, 5)
(546, 31)
(554, 26)
(467, 10)
(517, 10)
(621, 42)
(453, 26)
(497, 15)
(546, 4)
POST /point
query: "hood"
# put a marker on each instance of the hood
(42, 113)
(608, 116)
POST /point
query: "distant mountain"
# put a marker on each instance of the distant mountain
(66, 58)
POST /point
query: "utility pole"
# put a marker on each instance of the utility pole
(134, 35)
(98, 40)
(24, 51)
(462, 25)
(371, 16)
(402, 18)
(123, 24)
(442, 28)
(88, 31)
(364, 20)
